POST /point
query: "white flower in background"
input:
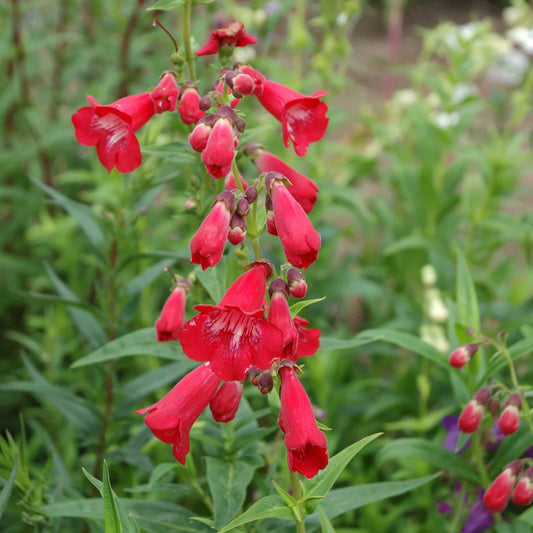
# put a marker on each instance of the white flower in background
(405, 97)
(462, 91)
(509, 69)
(444, 120)
(428, 275)
(437, 310)
(434, 336)
(523, 38)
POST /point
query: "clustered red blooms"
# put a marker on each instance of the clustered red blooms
(508, 420)
(497, 495)
(250, 334)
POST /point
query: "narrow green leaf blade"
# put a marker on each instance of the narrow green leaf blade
(228, 483)
(141, 342)
(267, 507)
(111, 518)
(467, 304)
(430, 452)
(326, 478)
(8, 487)
(166, 5)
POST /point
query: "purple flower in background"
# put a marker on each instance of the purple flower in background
(479, 518)
(494, 438)
(450, 424)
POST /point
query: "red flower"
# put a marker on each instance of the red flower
(307, 451)
(523, 492)
(303, 118)
(171, 418)
(165, 94)
(199, 136)
(308, 338)
(220, 149)
(463, 354)
(172, 314)
(301, 187)
(111, 128)
(509, 420)
(279, 314)
(207, 245)
(232, 34)
(300, 241)
(471, 416)
(189, 108)
(226, 402)
(496, 497)
(234, 336)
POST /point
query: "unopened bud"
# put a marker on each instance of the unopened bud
(242, 207)
(297, 283)
(463, 354)
(237, 229)
(243, 84)
(205, 102)
(266, 383)
(277, 285)
(254, 374)
(509, 420)
(199, 136)
(494, 406)
(497, 495)
(252, 192)
(523, 492)
(470, 417)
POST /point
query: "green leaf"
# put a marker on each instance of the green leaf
(228, 483)
(467, 304)
(8, 487)
(112, 520)
(325, 524)
(340, 501)
(511, 447)
(84, 321)
(429, 452)
(212, 281)
(326, 478)
(331, 343)
(298, 306)
(85, 217)
(267, 507)
(138, 283)
(407, 341)
(517, 350)
(166, 5)
(141, 342)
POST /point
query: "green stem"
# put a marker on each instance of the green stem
(297, 494)
(478, 458)
(514, 379)
(189, 57)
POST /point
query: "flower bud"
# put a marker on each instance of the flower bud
(242, 207)
(297, 283)
(509, 420)
(237, 229)
(470, 418)
(252, 192)
(172, 314)
(199, 136)
(462, 355)
(496, 497)
(523, 492)
(243, 84)
(189, 107)
(266, 383)
(226, 401)
(205, 102)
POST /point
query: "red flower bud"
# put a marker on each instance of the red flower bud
(523, 492)
(226, 402)
(297, 283)
(189, 108)
(496, 497)
(462, 355)
(199, 136)
(237, 229)
(470, 418)
(172, 314)
(220, 149)
(509, 420)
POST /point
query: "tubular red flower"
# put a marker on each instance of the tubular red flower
(232, 34)
(189, 108)
(225, 404)
(220, 149)
(301, 187)
(308, 338)
(523, 492)
(497, 495)
(172, 314)
(470, 418)
(171, 418)
(303, 118)
(111, 128)
(165, 95)
(234, 336)
(463, 354)
(307, 451)
(509, 420)
(279, 314)
(300, 241)
(207, 244)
